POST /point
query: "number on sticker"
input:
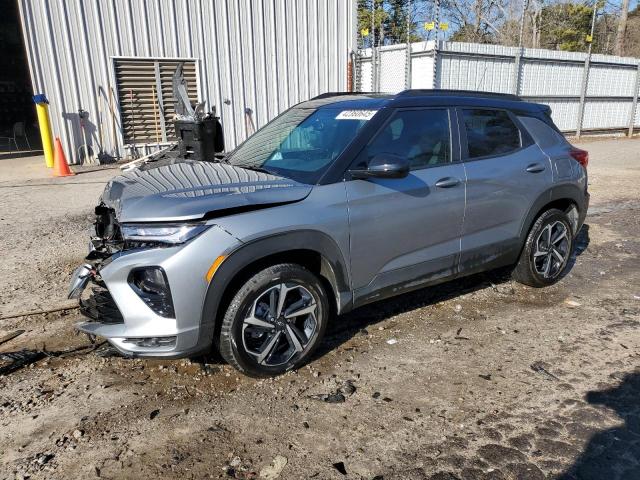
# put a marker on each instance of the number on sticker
(356, 114)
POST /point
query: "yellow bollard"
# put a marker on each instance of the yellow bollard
(42, 109)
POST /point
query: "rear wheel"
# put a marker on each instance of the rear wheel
(547, 250)
(275, 321)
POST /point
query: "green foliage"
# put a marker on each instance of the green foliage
(389, 19)
(564, 26)
(368, 16)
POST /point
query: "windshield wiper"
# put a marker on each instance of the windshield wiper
(255, 169)
(221, 159)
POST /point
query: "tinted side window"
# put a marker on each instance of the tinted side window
(421, 136)
(543, 134)
(490, 132)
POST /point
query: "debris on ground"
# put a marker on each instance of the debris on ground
(12, 361)
(572, 303)
(335, 397)
(273, 471)
(339, 466)
(348, 388)
(539, 367)
(338, 396)
(392, 341)
(107, 351)
(11, 336)
(45, 458)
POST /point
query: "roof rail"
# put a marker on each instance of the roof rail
(457, 93)
(338, 94)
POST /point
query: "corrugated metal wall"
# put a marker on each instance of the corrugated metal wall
(262, 55)
(545, 76)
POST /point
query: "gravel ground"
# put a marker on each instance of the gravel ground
(480, 378)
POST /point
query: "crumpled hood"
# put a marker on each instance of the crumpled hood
(190, 190)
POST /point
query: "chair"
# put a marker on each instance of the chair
(18, 131)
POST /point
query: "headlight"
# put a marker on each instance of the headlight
(163, 234)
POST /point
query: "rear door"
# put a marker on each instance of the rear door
(506, 172)
(554, 145)
(405, 232)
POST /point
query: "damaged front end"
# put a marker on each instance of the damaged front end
(143, 284)
(98, 305)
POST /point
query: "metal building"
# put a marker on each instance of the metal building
(248, 59)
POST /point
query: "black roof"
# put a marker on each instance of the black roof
(408, 98)
(457, 93)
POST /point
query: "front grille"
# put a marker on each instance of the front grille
(100, 306)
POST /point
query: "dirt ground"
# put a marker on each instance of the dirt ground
(480, 378)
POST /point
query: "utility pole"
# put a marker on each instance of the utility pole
(520, 53)
(437, 25)
(622, 28)
(525, 6)
(374, 60)
(593, 24)
(407, 64)
(585, 75)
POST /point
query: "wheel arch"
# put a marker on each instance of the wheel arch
(312, 249)
(562, 197)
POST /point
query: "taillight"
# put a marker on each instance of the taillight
(581, 156)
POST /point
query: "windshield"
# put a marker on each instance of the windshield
(301, 143)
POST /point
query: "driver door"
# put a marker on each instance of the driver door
(405, 233)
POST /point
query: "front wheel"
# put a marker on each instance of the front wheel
(275, 321)
(546, 251)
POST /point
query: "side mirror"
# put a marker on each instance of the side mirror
(384, 165)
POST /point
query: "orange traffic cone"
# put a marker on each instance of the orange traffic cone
(60, 165)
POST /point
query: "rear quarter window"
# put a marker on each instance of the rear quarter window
(542, 134)
(490, 133)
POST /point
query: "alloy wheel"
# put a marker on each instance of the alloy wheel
(551, 250)
(280, 324)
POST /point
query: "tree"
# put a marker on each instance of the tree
(479, 20)
(385, 21)
(371, 18)
(622, 28)
(632, 35)
(400, 21)
(564, 26)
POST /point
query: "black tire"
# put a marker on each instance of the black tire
(255, 299)
(532, 265)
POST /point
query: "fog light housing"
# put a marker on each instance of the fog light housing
(152, 286)
(152, 342)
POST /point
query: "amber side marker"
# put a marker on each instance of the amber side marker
(214, 268)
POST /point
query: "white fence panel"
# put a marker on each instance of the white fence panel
(606, 114)
(467, 72)
(422, 65)
(611, 80)
(551, 78)
(393, 69)
(422, 71)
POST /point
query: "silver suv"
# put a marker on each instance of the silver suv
(340, 201)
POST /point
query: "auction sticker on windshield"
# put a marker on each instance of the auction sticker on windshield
(356, 114)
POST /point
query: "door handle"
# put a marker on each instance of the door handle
(535, 168)
(447, 182)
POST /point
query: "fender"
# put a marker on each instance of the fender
(565, 191)
(334, 268)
